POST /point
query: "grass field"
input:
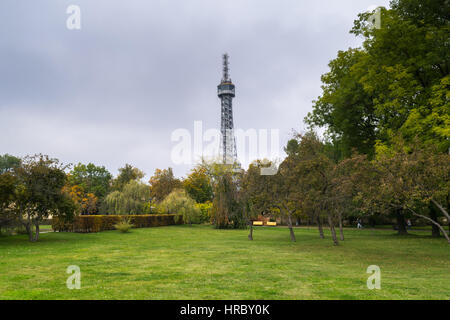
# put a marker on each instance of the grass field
(199, 262)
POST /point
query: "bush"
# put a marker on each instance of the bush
(97, 223)
(124, 225)
(205, 211)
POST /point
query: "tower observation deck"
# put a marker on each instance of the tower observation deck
(226, 93)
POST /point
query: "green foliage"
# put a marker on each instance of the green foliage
(205, 211)
(345, 108)
(133, 199)
(398, 83)
(126, 175)
(291, 148)
(178, 202)
(93, 179)
(8, 184)
(39, 193)
(227, 209)
(198, 185)
(8, 163)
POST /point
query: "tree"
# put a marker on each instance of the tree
(127, 174)
(275, 194)
(86, 202)
(406, 180)
(254, 194)
(179, 203)
(133, 199)
(162, 183)
(345, 107)
(91, 178)
(345, 186)
(430, 176)
(398, 83)
(317, 180)
(39, 193)
(226, 205)
(198, 185)
(408, 59)
(8, 184)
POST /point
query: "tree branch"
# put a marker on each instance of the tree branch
(433, 222)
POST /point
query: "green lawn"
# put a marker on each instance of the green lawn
(199, 262)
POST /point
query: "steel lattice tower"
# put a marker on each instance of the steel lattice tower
(225, 91)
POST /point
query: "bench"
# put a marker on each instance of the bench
(261, 223)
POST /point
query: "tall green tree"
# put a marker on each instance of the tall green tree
(126, 174)
(397, 83)
(93, 179)
(345, 108)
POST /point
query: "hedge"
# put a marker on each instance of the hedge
(97, 223)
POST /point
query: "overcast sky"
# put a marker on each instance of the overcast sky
(114, 91)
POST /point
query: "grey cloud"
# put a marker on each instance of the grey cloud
(114, 91)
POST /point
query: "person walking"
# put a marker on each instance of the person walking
(408, 224)
(359, 223)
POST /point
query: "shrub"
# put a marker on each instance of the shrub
(205, 211)
(124, 225)
(97, 223)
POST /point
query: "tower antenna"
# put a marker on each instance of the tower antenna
(226, 76)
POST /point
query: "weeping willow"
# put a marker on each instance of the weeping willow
(178, 202)
(133, 199)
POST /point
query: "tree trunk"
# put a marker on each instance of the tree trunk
(333, 231)
(29, 229)
(341, 228)
(36, 238)
(448, 220)
(250, 235)
(291, 230)
(401, 222)
(435, 232)
(319, 224)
